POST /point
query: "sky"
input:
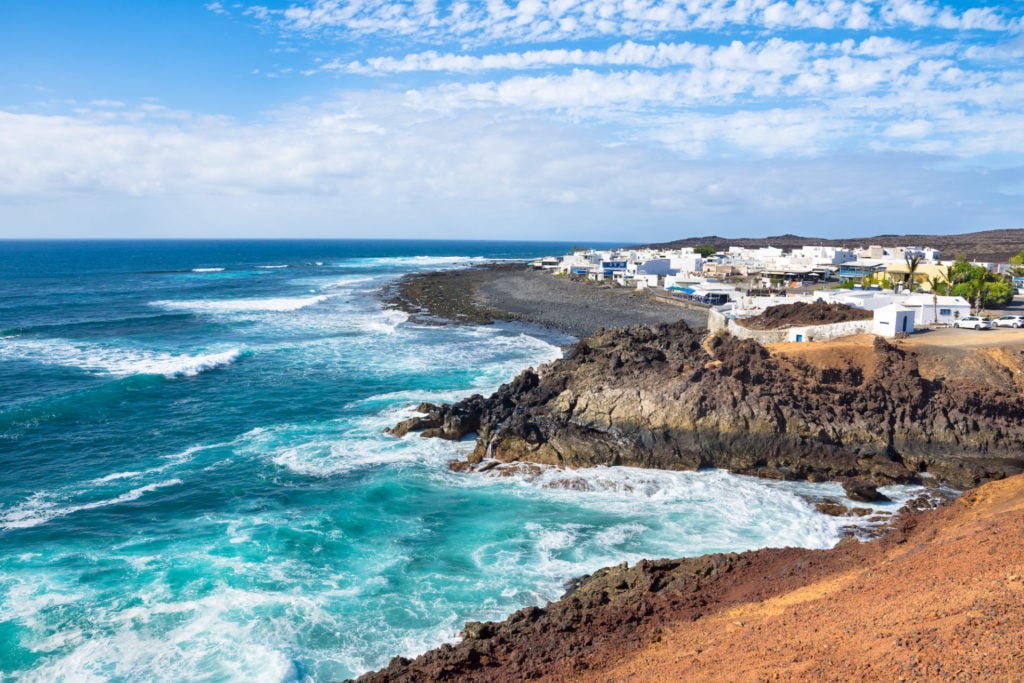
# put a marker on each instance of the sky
(607, 120)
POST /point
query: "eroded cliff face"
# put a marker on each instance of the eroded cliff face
(664, 397)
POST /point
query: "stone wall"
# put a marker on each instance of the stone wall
(717, 321)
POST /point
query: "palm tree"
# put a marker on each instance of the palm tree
(976, 289)
(913, 261)
(935, 282)
(1017, 265)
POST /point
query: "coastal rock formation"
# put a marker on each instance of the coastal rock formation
(936, 598)
(663, 397)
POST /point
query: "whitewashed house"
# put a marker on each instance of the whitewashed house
(687, 262)
(654, 266)
(892, 320)
(942, 310)
(644, 281)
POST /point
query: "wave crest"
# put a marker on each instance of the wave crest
(40, 509)
(121, 362)
(276, 304)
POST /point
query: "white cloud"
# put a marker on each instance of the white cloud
(878, 76)
(868, 84)
(656, 119)
(859, 17)
(917, 128)
(373, 163)
(627, 53)
(914, 12)
(549, 20)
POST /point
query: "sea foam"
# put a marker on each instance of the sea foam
(274, 304)
(713, 510)
(118, 361)
(41, 508)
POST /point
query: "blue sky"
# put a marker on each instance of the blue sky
(605, 120)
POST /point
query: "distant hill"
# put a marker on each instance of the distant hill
(988, 245)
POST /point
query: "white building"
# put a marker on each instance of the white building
(821, 256)
(942, 310)
(645, 281)
(686, 261)
(654, 266)
(892, 320)
(578, 263)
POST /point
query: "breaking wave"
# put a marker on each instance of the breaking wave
(42, 508)
(117, 361)
(277, 304)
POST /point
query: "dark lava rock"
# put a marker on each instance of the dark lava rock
(446, 297)
(863, 491)
(803, 313)
(832, 508)
(663, 397)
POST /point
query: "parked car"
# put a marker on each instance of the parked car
(1009, 321)
(974, 322)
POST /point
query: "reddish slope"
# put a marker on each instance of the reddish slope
(946, 604)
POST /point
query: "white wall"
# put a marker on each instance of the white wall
(718, 321)
(891, 321)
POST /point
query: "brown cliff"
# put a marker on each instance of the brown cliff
(663, 397)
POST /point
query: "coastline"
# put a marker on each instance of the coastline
(918, 603)
(513, 292)
(619, 623)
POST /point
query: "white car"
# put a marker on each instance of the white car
(975, 322)
(1009, 321)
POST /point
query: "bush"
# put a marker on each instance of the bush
(963, 289)
(999, 293)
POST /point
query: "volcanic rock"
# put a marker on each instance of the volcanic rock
(804, 313)
(863, 491)
(660, 397)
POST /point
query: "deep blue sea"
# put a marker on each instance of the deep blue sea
(194, 482)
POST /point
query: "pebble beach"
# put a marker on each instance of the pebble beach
(515, 292)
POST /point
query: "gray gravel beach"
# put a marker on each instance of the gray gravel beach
(514, 292)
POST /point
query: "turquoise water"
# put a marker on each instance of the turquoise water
(194, 482)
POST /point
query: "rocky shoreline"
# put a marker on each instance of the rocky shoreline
(667, 396)
(936, 598)
(511, 291)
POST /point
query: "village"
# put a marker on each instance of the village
(904, 288)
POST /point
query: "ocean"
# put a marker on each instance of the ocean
(195, 483)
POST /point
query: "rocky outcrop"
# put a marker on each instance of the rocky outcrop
(662, 397)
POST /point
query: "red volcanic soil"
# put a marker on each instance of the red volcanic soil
(940, 600)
